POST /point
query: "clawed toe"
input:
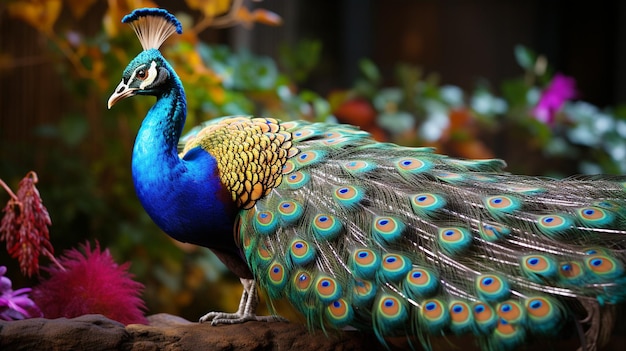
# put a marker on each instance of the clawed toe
(246, 311)
(217, 318)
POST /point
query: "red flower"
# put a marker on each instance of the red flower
(357, 112)
(24, 226)
(560, 89)
(90, 283)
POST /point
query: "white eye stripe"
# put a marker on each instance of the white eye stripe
(134, 75)
(152, 73)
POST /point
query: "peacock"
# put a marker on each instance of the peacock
(375, 236)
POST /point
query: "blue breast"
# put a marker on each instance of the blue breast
(185, 198)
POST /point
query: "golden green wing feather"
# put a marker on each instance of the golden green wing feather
(250, 154)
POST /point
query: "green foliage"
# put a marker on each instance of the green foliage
(418, 110)
(299, 60)
(525, 57)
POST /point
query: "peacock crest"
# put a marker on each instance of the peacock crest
(153, 26)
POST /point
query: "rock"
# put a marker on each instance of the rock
(88, 332)
(170, 333)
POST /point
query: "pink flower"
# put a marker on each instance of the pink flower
(560, 89)
(15, 305)
(90, 283)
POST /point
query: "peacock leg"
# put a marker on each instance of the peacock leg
(245, 312)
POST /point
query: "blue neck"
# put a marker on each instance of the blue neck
(184, 197)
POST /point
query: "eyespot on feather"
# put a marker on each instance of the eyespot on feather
(387, 230)
(394, 267)
(348, 196)
(327, 289)
(301, 253)
(538, 267)
(413, 165)
(545, 315)
(554, 224)
(326, 227)
(363, 293)
(357, 167)
(595, 216)
(426, 204)
(420, 283)
(604, 266)
(296, 180)
(491, 287)
(365, 263)
(461, 317)
(484, 316)
(339, 313)
(511, 311)
(454, 240)
(434, 315)
(289, 212)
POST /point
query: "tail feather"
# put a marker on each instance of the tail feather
(489, 242)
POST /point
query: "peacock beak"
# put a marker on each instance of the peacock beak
(121, 92)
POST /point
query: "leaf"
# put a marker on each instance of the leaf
(515, 91)
(40, 14)
(79, 7)
(73, 129)
(210, 8)
(112, 20)
(370, 71)
(300, 59)
(267, 17)
(524, 57)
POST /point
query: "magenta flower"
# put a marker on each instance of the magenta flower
(15, 305)
(560, 89)
(90, 283)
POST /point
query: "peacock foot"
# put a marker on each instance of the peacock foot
(245, 312)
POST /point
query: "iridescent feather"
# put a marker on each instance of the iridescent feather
(488, 253)
(388, 239)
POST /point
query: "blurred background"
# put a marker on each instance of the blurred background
(540, 84)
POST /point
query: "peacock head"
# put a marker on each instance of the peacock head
(148, 73)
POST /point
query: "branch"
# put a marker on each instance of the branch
(8, 190)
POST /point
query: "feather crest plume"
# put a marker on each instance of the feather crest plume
(153, 26)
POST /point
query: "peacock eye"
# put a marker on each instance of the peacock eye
(142, 74)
